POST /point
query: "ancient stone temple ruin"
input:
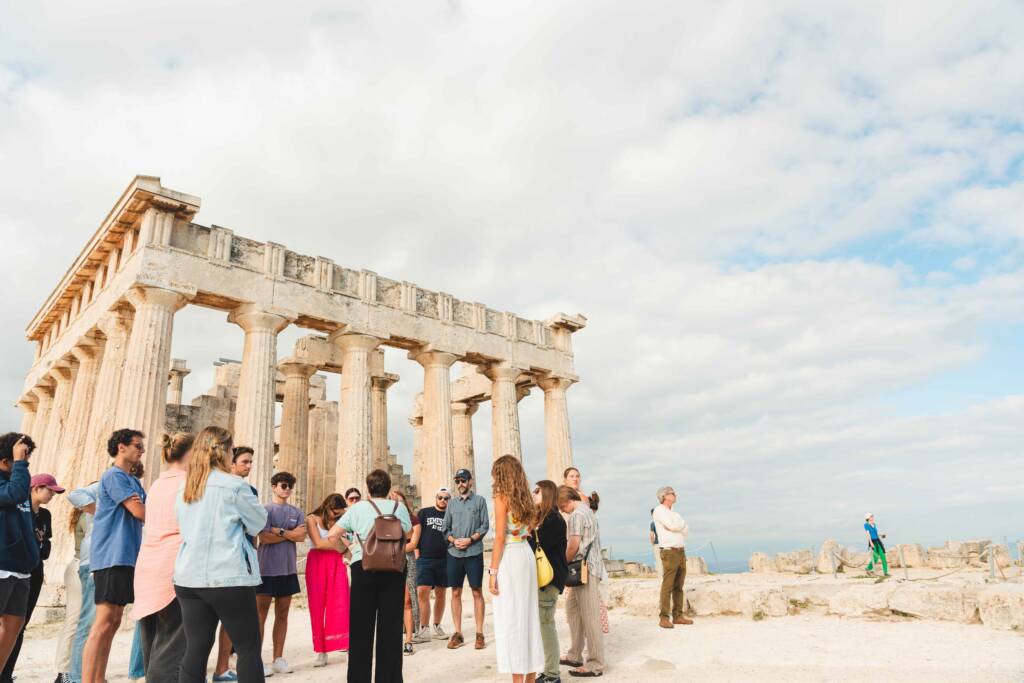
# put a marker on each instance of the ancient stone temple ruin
(103, 355)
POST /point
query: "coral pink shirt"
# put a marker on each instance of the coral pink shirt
(154, 570)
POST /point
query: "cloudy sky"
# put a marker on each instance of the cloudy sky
(797, 232)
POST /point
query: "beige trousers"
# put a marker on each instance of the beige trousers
(73, 600)
(583, 612)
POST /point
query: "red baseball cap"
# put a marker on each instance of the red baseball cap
(48, 481)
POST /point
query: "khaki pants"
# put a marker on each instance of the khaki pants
(674, 562)
(583, 612)
(548, 597)
(73, 600)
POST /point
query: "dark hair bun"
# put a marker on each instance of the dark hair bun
(595, 500)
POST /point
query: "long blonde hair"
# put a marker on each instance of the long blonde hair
(508, 479)
(210, 451)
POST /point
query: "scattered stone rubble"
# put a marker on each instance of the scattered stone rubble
(952, 555)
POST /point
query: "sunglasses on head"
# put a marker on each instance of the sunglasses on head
(354, 497)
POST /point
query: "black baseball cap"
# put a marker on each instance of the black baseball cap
(464, 474)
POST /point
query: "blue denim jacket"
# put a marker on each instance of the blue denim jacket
(214, 551)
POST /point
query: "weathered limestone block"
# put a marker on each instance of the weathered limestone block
(639, 598)
(1002, 555)
(946, 558)
(696, 566)
(914, 555)
(933, 601)
(761, 563)
(764, 602)
(796, 562)
(1002, 606)
(861, 601)
(810, 596)
(830, 551)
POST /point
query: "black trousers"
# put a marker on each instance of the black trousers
(201, 609)
(377, 606)
(35, 584)
(163, 644)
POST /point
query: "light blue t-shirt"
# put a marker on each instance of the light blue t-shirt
(360, 518)
(116, 534)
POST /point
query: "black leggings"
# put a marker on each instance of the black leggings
(201, 609)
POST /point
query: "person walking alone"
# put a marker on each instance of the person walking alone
(465, 525)
(217, 571)
(116, 539)
(376, 608)
(327, 587)
(583, 604)
(512, 576)
(156, 607)
(875, 545)
(672, 531)
(551, 536)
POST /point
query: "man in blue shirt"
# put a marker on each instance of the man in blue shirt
(116, 538)
(465, 524)
(875, 545)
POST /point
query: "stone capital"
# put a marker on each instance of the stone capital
(433, 358)
(179, 368)
(27, 404)
(255, 318)
(499, 371)
(292, 368)
(116, 323)
(156, 296)
(462, 408)
(356, 342)
(383, 382)
(554, 382)
(86, 352)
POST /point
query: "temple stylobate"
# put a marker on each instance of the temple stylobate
(103, 353)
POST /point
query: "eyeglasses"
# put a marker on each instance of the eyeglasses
(444, 497)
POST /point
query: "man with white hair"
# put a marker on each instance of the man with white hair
(672, 532)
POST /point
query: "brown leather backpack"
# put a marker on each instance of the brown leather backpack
(384, 547)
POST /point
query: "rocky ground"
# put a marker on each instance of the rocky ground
(809, 645)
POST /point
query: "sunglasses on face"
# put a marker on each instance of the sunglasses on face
(284, 485)
(460, 481)
(444, 497)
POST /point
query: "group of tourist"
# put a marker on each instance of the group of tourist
(198, 553)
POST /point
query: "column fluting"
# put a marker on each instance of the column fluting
(557, 439)
(437, 440)
(294, 436)
(355, 438)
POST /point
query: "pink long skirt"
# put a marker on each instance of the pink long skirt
(327, 593)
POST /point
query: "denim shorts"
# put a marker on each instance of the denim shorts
(460, 569)
(432, 572)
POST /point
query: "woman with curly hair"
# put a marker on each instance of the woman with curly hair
(513, 574)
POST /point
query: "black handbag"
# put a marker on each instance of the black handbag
(578, 570)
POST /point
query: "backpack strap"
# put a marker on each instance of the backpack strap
(377, 509)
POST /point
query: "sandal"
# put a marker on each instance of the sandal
(565, 661)
(585, 673)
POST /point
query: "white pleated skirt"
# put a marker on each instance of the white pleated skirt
(517, 612)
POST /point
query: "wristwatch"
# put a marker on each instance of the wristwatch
(492, 571)
(280, 531)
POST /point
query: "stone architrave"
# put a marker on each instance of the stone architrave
(437, 439)
(504, 409)
(142, 401)
(28, 415)
(323, 451)
(557, 440)
(294, 435)
(254, 412)
(64, 378)
(462, 435)
(355, 438)
(176, 384)
(116, 327)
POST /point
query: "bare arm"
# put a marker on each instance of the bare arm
(414, 538)
(295, 535)
(500, 522)
(322, 543)
(572, 547)
(135, 507)
(270, 536)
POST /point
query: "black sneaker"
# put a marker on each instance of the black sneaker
(407, 649)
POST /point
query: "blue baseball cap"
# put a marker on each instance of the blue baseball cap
(463, 474)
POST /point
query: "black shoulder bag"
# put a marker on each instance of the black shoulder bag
(578, 570)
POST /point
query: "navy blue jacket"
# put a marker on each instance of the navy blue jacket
(19, 550)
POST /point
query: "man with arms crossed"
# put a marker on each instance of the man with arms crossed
(672, 532)
(116, 539)
(465, 525)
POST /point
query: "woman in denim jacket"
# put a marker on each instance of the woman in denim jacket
(216, 572)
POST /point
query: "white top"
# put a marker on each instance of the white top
(4, 574)
(672, 528)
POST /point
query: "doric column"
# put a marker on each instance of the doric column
(142, 403)
(557, 440)
(64, 378)
(254, 412)
(176, 383)
(462, 435)
(72, 445)
(379, 417)
(504, 409)
(418, 462)
(293, 455)
(116, 326)
(323, 451)
(355, 439)
(438, 452)
(28, 415)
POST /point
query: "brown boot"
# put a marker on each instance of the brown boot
(682, 620)
(665, 623)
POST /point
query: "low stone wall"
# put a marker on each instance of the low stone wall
(994, 605)
(951, 555)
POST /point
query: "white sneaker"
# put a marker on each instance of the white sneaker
(281, 666)
(268, 670)
(421, 636)
(439, 633)
(321, 659)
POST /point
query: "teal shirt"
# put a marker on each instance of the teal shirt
(360, 518)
